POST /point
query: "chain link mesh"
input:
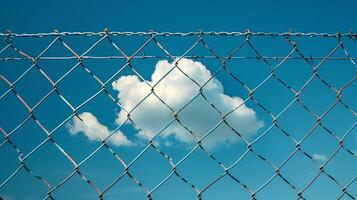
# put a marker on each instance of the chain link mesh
(295, 54)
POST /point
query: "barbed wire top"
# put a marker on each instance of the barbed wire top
(350, 34)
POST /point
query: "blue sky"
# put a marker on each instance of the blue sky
(151, 168)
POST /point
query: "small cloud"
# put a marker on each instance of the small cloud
(176, 90)
(167, 143)
(319, 157)
(95, 131)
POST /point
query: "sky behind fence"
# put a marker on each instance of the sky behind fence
(283, 116)
(198, 169)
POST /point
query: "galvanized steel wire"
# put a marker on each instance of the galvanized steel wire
(154, 37)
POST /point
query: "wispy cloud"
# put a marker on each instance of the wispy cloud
(94, 130)
(319, 157)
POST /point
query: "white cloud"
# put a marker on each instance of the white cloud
(176, 90)
(319, 157)
(94, 130)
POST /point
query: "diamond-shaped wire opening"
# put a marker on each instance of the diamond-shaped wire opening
(102, 169)
(58, 113)
(199, 113)
(194, 169)
(299, 170)
(226, 150)
(252, 171)
(146, 117)
(297, 68)
(154, 163)
(33, 87)
(28, 136)
(175, 148)
(291, 120)
(57, 165)
(274, 96)
(320, 144)
(275, 146)
(318, 104)
(84, 88)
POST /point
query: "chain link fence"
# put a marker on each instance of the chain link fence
(296, 156)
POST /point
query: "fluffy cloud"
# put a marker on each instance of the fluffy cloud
(94, 130)
(176, 90)
(319, 157)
